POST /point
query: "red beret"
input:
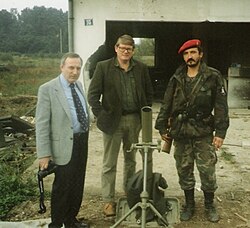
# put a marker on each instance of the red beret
(189, 44)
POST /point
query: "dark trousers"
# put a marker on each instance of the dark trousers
(68, 185)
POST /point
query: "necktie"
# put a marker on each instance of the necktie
(81, 116)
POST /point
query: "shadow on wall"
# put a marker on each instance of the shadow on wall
(102, 53)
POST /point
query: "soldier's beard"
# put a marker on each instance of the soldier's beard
(192, 63)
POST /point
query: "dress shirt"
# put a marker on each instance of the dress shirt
(67, 90)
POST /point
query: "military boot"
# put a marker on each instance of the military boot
(188, 209)
(210, 209)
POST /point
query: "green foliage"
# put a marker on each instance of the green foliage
(146, 47)
(27, 73)
(229, 157)
(33, 30)
(6, 57)
(30, 72)
(145, 51)
(14, 188)
(8, 28)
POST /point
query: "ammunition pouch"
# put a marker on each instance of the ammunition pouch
(191, 125)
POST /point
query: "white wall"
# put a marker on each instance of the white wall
(88, 38)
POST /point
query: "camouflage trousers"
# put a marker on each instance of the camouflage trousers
(199, 151)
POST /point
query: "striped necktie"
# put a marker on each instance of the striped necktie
(81, 115)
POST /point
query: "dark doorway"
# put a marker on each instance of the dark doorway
(224, 44)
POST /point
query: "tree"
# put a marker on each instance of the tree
(8, 29)
(34, 30)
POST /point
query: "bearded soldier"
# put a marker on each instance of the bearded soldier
(195, 114)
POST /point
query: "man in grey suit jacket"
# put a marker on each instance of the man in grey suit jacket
(60, 137)
(120, 87)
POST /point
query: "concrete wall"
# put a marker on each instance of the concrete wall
(227, 44)
(88, 37)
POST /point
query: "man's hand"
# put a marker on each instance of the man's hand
(217, 142)
(44, 162)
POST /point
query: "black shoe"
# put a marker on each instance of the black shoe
(76, 224)
(210, 209)
(187, 212)
(212, 214)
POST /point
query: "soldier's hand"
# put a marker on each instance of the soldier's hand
(165, 137)
(217, 142)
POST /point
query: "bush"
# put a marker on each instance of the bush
(14, 189)
(6, 57)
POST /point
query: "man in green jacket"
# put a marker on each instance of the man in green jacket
(195, 114)
(120, 87)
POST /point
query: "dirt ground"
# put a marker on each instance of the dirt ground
(233, 175)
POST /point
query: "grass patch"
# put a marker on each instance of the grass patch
(27, 74)
(14, 187)
(227, 156)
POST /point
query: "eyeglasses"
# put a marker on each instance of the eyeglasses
(123, 49)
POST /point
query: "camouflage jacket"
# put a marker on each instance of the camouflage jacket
(200, 113)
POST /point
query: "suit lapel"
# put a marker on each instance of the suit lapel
(61, 97)
(137, 76)
(138, 80)
(116, 78)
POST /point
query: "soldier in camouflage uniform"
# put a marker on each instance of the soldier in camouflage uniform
(195, 114)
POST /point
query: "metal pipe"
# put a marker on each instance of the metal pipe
(146, 114)
(71, 26)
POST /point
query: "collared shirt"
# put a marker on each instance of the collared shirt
(129, 96)
(67, 90)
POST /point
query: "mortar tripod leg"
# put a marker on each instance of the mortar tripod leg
(126, 215)
(164, 220)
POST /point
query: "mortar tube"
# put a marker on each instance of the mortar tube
(147, 152)
(146, 115)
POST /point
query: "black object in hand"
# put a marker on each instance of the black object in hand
(40, 175)
(51, 169)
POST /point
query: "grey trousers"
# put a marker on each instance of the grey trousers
(126, 133)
